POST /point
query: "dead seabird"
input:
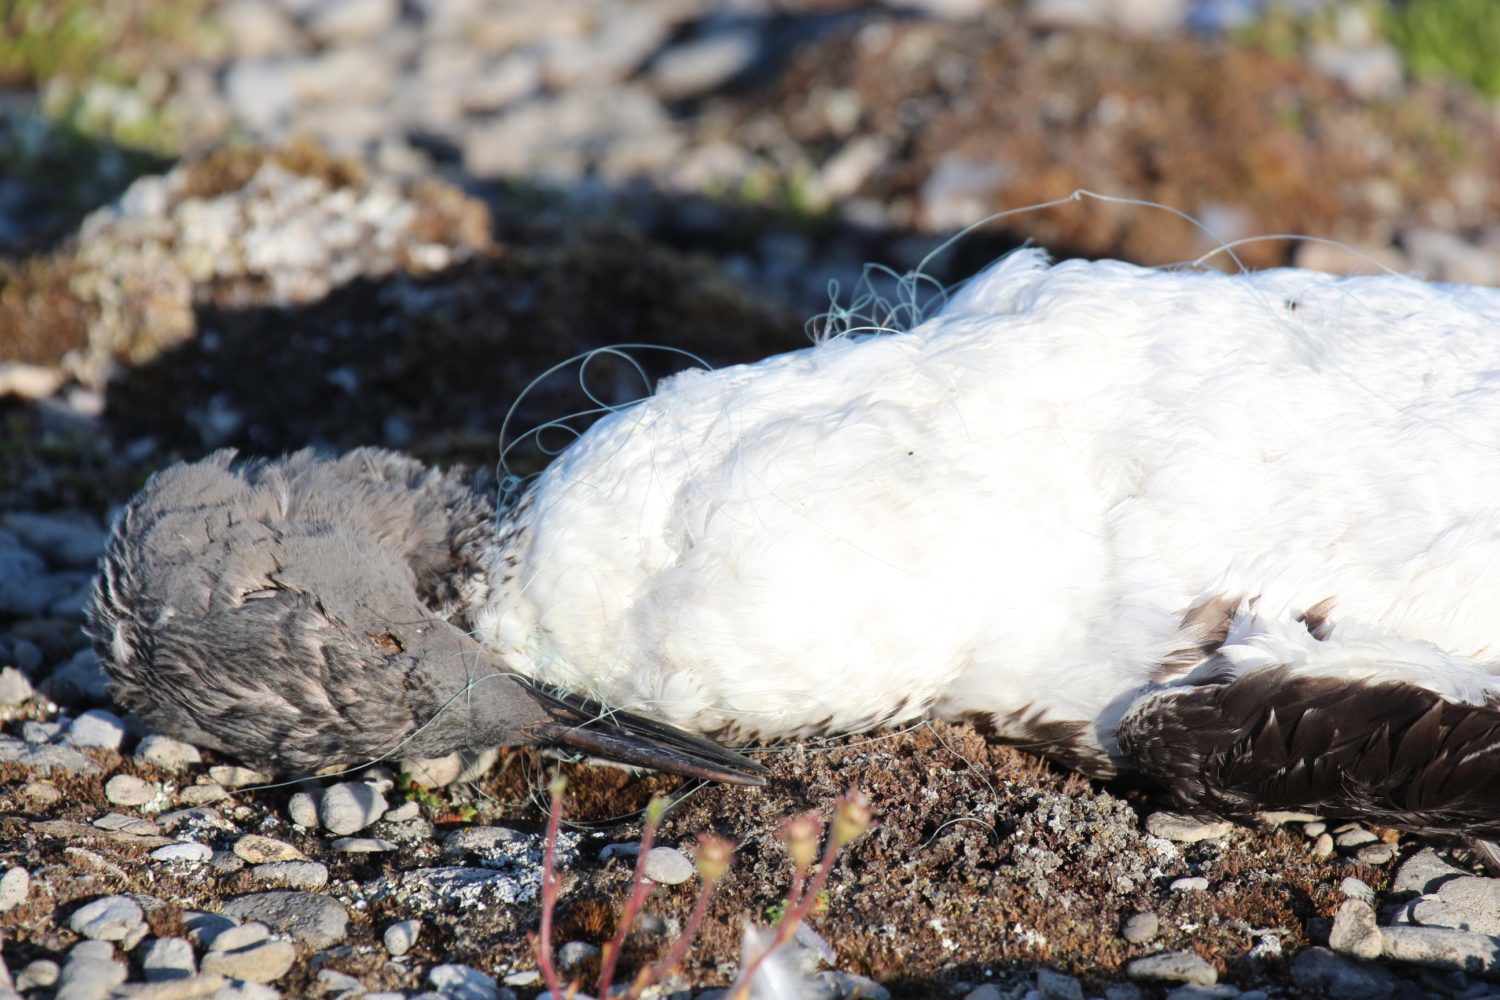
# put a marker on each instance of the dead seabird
(1238, 533)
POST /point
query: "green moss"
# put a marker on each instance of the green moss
(1459, 39)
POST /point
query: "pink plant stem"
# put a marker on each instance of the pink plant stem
(640, 889)
(549, 898)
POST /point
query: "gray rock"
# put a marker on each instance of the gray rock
(961, 190)
(1470, 904)
(302, 807)
(401, 936)
(102, 950)
(308, 875)
(128, 790)
(1476, 954)
(479, 839)
(1140, 928)
(253, 29)
(338, 22)
(196, 818)
(669, 866)
(1056, 986)
(1424, 872)
(71, 539)
(1369, 71)
(259, 850)
(575, 953)
(1186, 829)
(1173, 966)
(349, 807)
(89, 978)
(169, 958)
(167, 753)
(112, 918)
(1219, 991)
(45, 757)
(121, 823)
(1193, 883)
(15, 687)
(989, 991)
(241, 937)
(1376, 854)
(79, 679)
(433, 772)
(234, 776)
(187, 852)
(1439, 255)
(261, 93)
(1353, 888)
(1320, 972)
(201, 794)
(15, 885)
(705, 63)
(203, 928)
(1356, 837)
(264, 962)
(21, 575)
(1354, 930)
(97, 727)
(1124, 991)
(39, 974)
(1323, 846)
(26, 655)
(317, 921)
(460, 982)
(363, 845)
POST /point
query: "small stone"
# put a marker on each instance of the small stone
(97, 728)
(478, 839)
(204, 928)
(1194, 883)
(403, 812)
(191, 987)
(1140, 928)
(227, 862)
(201, 795)
(669, 866)
(169, 958)
(363, 845)
(307, 875)
(1186, 829)
(195, 817)
(128, 790)
(45, 757)
(1477, 954)
(15, 688)
(1376, 854)
(70, 539)
(1282, 818)
(136, 826)
(264, 962)
(460, 982)
(101, 950)
(1320, 972)
(1056, 986)
(258, 850)
(341, 22)
(89, 978)
(238, 938)
(167, 753)
(1314, 829)
(111, 918)
(27, 656)
(41, 793)
(37, 975)
(1173, 966)
(1354, 930)
(575, 953)
(317, 921)
(15, 885)
(231, 776)
(1473, 904)
(80, 679)
(433, 772)
(1323, 846)
(1353, 888)
(989, 991)
(1357, 837)
(705, 63)
(401, 936)
(349, 807)
(335, 982)
(303, 810)
(1424, 872)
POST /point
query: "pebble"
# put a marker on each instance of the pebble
(167, 753)
(239, 937)
(201, 795)
(258, 850)
(15, 885)
(69, 539)
(112, 918)
(203, 927)
(478, 839)
(433, 772)
(262, 962)
(190, 987)
(39, 974)
(1056, 986)
(40, 793)
(194, 817)
(349, 807)
(79, 679)
(1354, 930)
(317, 921)
(169, 958)
(15, 687)
(1466, 904)
(26, 655)
(1442, 948)
(97, 728)
(401, 936)
(308, 875)
(1140, 928)
(460, 982)
(136, 826)
(128, 790)
(303, 809)
(363, 845)
(1424, 872)
(1376, 854)
(1173, 966)
(335, 982)
(705, 63)
(89, 978)
(1353, 888)
(403, 812)
(669, 866)
(1314, 829)
(231, 776)
(1193, 883)
(1323, 846)
(45, 757)
(575, 953)
(1186, 829)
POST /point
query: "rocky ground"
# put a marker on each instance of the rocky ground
(430, 204)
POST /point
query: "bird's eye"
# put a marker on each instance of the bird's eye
(387, 642)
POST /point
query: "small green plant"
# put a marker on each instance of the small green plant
(1449, 38)
(714, 855)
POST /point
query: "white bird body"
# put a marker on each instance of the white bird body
(1010, 511)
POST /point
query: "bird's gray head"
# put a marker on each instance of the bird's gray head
(308, 612)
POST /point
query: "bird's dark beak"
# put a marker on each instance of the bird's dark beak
(584, 725)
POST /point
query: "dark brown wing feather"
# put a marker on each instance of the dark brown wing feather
(1386, 751)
